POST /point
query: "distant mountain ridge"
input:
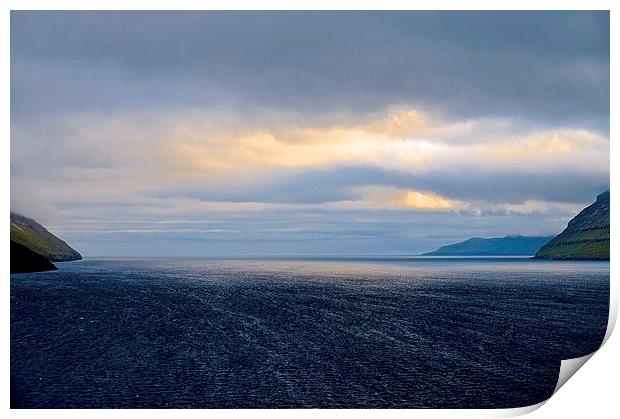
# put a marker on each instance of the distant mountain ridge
(494, 246)
(586, 236)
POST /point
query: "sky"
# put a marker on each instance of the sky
(305, 133)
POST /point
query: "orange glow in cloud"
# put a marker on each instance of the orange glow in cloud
(388, 197)
(403, 139)
(394, 139)
(426, 200)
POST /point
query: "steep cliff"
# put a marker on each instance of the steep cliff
(585, 237)
(27, 232)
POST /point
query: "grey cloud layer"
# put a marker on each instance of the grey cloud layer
(543, 65)
(329, 185)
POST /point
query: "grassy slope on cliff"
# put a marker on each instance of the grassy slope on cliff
(34, 236)
(585, 237)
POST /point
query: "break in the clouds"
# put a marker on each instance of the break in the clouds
(207, 133)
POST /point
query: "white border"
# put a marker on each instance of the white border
(312, 5)
(592, 393)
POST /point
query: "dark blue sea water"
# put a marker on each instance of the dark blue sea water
(351, 333)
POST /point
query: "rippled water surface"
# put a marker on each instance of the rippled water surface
(301, 333)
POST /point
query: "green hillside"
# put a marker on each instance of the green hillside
(585, 237)
(34, 236)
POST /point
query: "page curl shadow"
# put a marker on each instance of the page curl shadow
(569, 367)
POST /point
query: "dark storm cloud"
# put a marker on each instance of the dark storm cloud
(547, 66)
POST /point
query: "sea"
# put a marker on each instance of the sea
(355, 332)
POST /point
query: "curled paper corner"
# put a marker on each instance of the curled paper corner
(613, 314)
(568, 368)
(517, 411)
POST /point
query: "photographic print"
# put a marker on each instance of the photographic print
(306, 209)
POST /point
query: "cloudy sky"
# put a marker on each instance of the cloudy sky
(229, 133)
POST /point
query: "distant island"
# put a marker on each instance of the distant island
(586, 237)
(34, 248)
(494, 246)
